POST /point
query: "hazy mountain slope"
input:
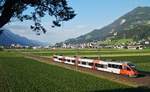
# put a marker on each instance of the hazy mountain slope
(7, 38)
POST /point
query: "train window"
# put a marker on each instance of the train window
(73, 61)
(54, 57)
(96, 65)
(83, 63)
(128, 69)
(120, 66)
(68, 60)
(90, 64)
(131, 65)
(114, 66)
(100, 65)
(60, 58)
(109, 65)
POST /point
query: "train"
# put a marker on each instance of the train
(121, 68)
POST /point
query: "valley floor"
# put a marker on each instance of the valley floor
(21, 74)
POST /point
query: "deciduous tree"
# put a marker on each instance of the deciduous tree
(14, 9)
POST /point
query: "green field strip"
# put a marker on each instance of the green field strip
(26, 75)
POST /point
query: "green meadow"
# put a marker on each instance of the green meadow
(141, 58)
(19, 74)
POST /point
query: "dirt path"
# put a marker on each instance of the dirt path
(143, 81)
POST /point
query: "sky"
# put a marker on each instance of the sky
(91, 14)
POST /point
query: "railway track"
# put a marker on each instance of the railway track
(142, 81)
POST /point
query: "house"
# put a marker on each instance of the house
(136, 47)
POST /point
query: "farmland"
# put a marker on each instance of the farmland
(139, 57)
(20, 74)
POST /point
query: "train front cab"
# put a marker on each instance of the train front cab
(129, 70)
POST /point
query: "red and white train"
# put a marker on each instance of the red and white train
(123, 68)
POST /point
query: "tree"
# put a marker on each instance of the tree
(14, 9)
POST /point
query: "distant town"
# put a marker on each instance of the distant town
(130, 45)
(142, 44)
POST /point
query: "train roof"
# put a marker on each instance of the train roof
(91, 60)
(69, 58)
(118, 62)
(86, 60)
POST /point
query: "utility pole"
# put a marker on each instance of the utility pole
(76, 58)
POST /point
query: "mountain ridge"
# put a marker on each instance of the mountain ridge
(7, 38)
(138, 16)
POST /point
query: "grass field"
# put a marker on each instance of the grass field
(141, 58)
(99, 52)
(18, 74)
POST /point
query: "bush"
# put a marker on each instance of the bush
(1, 48)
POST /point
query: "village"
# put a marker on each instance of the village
(131, 45)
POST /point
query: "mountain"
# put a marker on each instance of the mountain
(122, 27)
(7, 38)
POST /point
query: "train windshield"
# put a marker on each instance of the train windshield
(131, 65)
